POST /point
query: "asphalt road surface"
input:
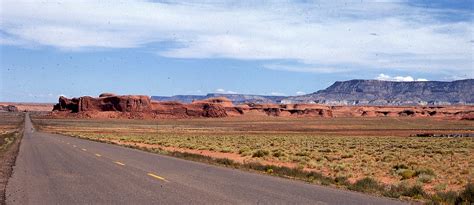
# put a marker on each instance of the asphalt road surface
(56, 169)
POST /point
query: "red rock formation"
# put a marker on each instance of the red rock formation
(124, 103)
(468, 116)
(107, 95)
(138, 106)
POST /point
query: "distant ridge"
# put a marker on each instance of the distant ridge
(376, 92)
(362, 92)
(235, 98)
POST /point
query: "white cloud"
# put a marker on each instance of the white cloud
(277, 94)
(223, 91)
(300, 93)
(314, 37)
(398, 78)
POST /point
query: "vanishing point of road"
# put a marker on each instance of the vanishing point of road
(56, 169)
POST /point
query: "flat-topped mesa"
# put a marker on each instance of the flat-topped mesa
(225, 102)
(143, 106)
(122, 103)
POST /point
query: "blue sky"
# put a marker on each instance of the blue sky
(76, 48)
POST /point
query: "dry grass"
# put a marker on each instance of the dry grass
(342, 148)
(10, 135)
(9, 126)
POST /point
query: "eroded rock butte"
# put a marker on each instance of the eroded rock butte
(109, 105)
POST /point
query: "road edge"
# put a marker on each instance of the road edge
(9, 157)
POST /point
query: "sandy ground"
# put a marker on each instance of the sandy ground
(34, 107)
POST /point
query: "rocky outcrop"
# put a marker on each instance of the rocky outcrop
(139, 106)
(8, 108)
(123, 103)
(468, 116)
(103, 95)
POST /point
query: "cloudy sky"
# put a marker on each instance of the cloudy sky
(72, 48)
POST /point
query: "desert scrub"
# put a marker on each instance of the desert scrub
(260, 153)
(325, 153)
(367, 185)
(434, 160)
(7, 139)
(425, 178)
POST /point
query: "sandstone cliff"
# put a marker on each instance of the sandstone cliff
(375, 92)
(139, 106)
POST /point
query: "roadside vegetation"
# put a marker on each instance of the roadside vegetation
(354, 154)
(10, 136)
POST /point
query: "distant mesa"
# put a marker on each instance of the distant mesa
(361, 92)
(234, 98)
(375, 92)
(354, 98)
(218, 100)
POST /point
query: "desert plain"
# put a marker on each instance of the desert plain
(405, 157)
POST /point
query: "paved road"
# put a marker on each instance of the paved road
(55, 169)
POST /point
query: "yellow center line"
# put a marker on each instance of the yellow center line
(157, 177)
(98, 155)
(119, 163)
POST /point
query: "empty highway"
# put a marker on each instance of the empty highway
(56, 169)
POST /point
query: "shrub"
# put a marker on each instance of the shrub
(244, 150)
(414, 191)
(449, 197)
(406, 173)
(324, 180)
(440, 187)
(467, 195)
(260, 153)
(400, 166)
(325, 150)
(345, 156)
(278, 153)
(425, 171)
(425, 178)
(395, 191)
(331, 158)
(225, 161)
(302, 154)
(366, 184)
(226, 150)
(341, 180)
